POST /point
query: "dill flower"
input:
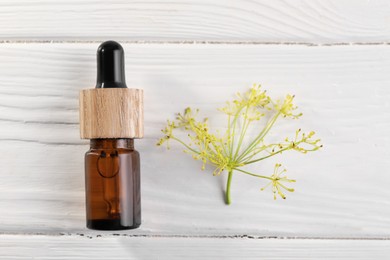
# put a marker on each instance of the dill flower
(233, 150)
(276, 180)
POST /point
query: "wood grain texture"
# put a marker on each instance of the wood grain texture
(111, 113)
(342, 191)
(309, 21)
(75, 247)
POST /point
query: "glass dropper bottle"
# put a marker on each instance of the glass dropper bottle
(111, 116)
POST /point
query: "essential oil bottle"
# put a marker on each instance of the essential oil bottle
(111, 116)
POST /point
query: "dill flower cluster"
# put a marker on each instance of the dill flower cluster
(232, 151)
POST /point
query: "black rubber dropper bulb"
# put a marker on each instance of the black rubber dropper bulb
(110, 66)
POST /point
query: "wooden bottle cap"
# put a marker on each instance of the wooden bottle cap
(111, 113)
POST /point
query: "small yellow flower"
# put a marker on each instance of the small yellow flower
(167, 134)
(277, 182)
(254, 99)
(287, 107)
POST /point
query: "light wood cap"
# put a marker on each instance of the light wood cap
(111, 113)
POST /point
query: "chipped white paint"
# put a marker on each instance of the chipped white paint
(314, 21)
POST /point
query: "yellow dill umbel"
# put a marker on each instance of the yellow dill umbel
(233, 150)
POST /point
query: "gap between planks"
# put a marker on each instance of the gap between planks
(310, 44)
(254, 237)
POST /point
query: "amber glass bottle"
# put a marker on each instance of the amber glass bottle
(111, 116)
(112, 174)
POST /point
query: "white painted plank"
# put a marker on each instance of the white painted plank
(342, 191)
(75, 247)
(313, 21)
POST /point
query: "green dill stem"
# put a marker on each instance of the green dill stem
(252, 174)
(256, 151)
(236, 116)
(229, 181)
(250, 156)
(242, 134)
(185, 145)
(224, 152)
(228, 138)
(232, 137)
(265, 157)
(259, 137)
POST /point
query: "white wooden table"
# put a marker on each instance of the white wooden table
(333, 55)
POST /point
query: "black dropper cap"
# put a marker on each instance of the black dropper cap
(110, 66)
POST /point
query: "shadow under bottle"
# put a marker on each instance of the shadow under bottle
(112, 174)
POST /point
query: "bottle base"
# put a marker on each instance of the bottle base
(108, 224)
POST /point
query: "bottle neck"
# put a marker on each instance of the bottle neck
(112, 143)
